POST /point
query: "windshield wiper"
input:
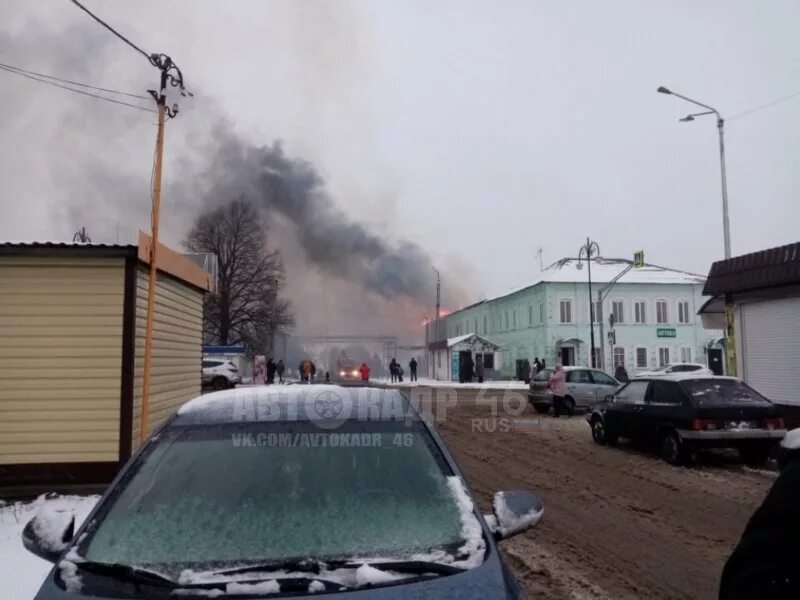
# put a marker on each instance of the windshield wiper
(127, 573)
(305, 565)
(416, 567)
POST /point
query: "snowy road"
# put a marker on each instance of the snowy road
(619, 523)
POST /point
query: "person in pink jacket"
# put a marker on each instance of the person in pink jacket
(558, 386)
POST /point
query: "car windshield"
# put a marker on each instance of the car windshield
(721, 391)
(214, 496)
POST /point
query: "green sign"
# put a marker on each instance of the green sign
(665, 332)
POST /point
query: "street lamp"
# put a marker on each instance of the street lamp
(721, 127)
(588, 250)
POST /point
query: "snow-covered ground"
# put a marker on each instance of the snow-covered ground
(20, 571)
(487, 385)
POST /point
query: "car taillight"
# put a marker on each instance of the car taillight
(704, 424)
(773, 423)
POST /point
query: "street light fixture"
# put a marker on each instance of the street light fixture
(721, 127)
(586, 252)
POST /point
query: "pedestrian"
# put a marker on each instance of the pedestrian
(765, 563)
(526, 371)
(542, 365)
(399, 371)
(313, 370)
(621, 374)
(270, 371)
(393, 369)
(327, 377)
(558, 387)
(412, 368)
(479, 368)
(364, 370)
(537, 366)
(280, 368)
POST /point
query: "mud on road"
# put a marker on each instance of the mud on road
(619, 522)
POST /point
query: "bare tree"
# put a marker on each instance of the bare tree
(246, 306)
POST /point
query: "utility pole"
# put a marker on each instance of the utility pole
(165, 65)
(438, 302)
(588, 250)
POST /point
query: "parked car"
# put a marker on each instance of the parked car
(683, 413)
(220, 374)
(586, 387)
(671, 368)
(254, 493)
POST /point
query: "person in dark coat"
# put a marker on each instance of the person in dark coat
(621, 374)
(393, 369)
(479, 369)
(412, 369)
(766, 564)
(270, 370)
(280, 368)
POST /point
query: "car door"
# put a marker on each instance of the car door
(579, 384)
(631, 401)
(662, 406)
(602, 385)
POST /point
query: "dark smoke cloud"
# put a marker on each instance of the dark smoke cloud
(330, 239)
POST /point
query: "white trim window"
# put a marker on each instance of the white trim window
(641, 357)
(484, 324)
(506, 320)
(686, 354)
(565, 310)
(618, 310)
(530, 314)
(640, 312)
(514, 312)
(663, 356)
(619, 356)
(662, 312)
(541, 313)
(683, 312)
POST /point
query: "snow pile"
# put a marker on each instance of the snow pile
(316, 586)
(69, 574)
(262, 587)
(474, 545)
(366, 575)
(791, 441)
(50, 526)
(21, 572)
(508, 521)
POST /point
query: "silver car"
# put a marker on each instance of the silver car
(586, 387)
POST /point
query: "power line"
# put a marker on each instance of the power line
(86, 85)
(53, 83)
(111, 29)
(763, 106)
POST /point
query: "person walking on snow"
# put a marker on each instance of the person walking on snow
(364, 370)
(621, 374)
(412, 368)
(558, 386)
(270, 370)
(280, 368)
(393, 369)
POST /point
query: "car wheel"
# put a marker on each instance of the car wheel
(542, 409)
(754, 456)
(219, 383)
(600, 434)
(569, 404)
(672, 449)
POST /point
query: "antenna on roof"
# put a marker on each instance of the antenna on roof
(81, 236)
(539, 254)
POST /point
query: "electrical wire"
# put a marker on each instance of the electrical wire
(86, 85)
(763, 106)
(111, 29)
(64, 87)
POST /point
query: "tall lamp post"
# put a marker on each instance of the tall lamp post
(721, 127)
(587, 251)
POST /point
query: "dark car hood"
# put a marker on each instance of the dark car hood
(490, 580)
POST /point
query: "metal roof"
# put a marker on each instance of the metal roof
(74, 248)
(757, 270)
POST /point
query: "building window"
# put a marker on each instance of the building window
(619, 357)
(541, 312)
(686, 354)
(566, 311)
(683, 312)
(661, 312)
(439, 359)
(617, 309)
(514, 314)
(641, 358)
(596, 312)
(530, 314)
(663, 356)
(506, 319)
(639, 315)
(488, 361)
(484, 324)
(458, 329)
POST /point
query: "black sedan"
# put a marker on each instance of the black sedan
(686, 413)
(258, 493)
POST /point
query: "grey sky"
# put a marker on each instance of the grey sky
(479, 130)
